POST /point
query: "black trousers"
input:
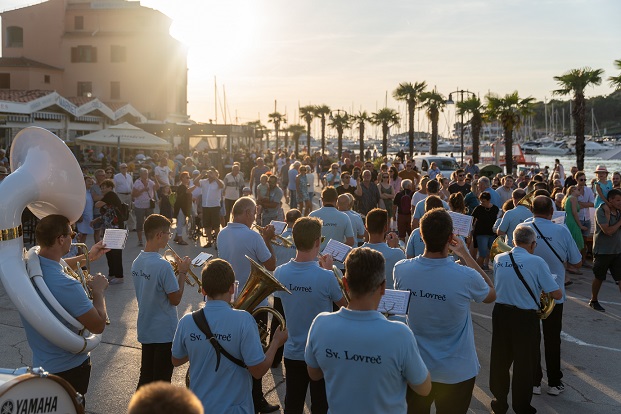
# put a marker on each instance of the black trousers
(297, 382)
(514, 341)
(228, 206)
(156, 363)
(449, 398)
(115, 262)
(79, 377)
(552, 326)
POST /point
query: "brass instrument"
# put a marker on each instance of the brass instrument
(547, 301)
(527, 200)
(339, 278)
(278, 240)
(190, 278)
(79, 274)
(260, 285)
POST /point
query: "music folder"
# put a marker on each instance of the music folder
(395, 302)
(115, 238)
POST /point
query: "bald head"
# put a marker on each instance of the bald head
(343, 202)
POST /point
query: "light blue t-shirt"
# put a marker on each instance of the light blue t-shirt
(154, 279)
(235, 242)
(560, 239)
(71, 296)
(606, 186)
(419, 210)
(511, 219)
(367, 361)
(313, 290)
(509, 288)
(336, 224)
(357, 225)
(230, 389)
(391, 256)
(415, 245)
(439, 314)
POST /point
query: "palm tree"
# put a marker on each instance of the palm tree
(434, 103)
(259, 128)
(473, 107)
(276, 118)
(296, 131)
(575, 81)
(340, 122)
(510, 111)
(386, 117)
(322, 111)
(410, 93)
(615, 81)
(361, 118)
(307, 113)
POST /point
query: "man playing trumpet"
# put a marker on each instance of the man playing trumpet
(54, 235)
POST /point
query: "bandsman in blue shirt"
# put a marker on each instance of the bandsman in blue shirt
(416, 245)
(367, 361)
(439, 313)
(314, 289)
(225, 387)
(515, 324)
(158, 292)
(512, 218)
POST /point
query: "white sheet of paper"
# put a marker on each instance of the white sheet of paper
(395, 302)
(558, 217)
(279, 226)
(115, 238)
(462, 223)
(201, 259)
(337, 250)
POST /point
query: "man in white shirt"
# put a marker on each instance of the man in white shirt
(163, 173)
(233, 185)
(123, 183)
(211, 188)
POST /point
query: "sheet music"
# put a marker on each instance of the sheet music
(115, 238)
(337, 250)
(558, 217)
(395, 302)
(279, 226)
(201, 259)
(462, 224)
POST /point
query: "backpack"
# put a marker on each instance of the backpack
(123, 212)
(405, 204)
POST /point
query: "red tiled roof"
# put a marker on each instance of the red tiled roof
(80, 100)
(22, 62)
(11, 95)
(115, 105)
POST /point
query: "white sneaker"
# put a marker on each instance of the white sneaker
(537, 390)
(556, 390)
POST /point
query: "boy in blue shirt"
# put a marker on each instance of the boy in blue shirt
(229, 388)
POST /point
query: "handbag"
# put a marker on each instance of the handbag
(151, 203)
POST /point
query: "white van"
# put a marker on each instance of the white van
(447, 165)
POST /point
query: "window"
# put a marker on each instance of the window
(14, 36)
(5, 81)
(84, 54)
(117, 53)
(115, 90)
(78, 22)
(46, 78)
(85, 88)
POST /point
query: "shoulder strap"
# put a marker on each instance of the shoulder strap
(519, 274)
(201, 322)
(548, 243)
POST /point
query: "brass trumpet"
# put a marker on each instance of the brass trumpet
(190, 278)
(79, 274)
(339, 278)
(278, 240)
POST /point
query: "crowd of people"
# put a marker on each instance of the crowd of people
(398, 220)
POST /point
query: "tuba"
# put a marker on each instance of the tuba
(546, 301)
(47, 178)
(260, 285)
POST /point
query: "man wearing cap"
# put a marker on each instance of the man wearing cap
(124, 183)
(333, 178)
(602, 185)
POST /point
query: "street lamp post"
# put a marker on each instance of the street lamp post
(450, 101)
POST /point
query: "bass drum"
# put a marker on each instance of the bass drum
(35, 391)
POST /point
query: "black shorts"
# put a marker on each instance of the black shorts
(211, 217)
(604, 262)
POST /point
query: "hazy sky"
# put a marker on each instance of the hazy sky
(349, 53)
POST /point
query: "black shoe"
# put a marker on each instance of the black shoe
(595, 305)
(262, 406)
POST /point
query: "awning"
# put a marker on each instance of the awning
(129, 136)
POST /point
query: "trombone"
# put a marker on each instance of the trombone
(278, 240)
(190, 278)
